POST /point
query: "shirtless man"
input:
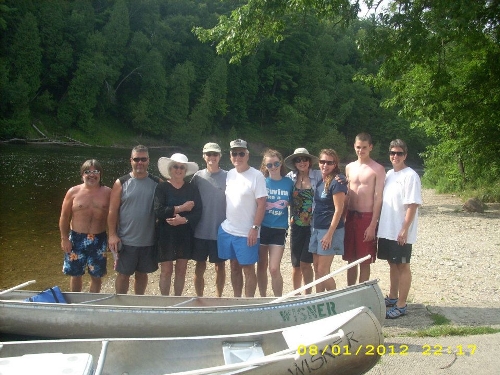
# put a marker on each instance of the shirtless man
(366, 185)
(82, 225)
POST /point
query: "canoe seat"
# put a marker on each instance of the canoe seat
(237, 352)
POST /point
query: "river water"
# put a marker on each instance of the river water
(33, 182)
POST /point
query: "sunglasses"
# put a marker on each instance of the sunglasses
(327, 162)
(398, 153)
(137, 160)
(94, 171)
(276, 164)
(181, 167)
(240, 154)
(209, 154)
(300, 159)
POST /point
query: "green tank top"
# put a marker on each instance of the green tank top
(302, 206)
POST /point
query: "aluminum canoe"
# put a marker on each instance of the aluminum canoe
(88, 315)
(349, 343)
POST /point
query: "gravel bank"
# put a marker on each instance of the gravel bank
(456, 261)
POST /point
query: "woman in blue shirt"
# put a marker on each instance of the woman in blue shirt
(275, 223)
(327, 235)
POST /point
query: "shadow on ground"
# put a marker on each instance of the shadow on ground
(469, 316)
(419, 317)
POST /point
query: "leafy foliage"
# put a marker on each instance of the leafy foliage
(440, 59)
(137, 65)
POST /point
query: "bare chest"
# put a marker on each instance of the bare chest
(361, 177)
(90, 202)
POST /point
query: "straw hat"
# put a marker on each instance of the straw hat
(301, 151)
(165, 163)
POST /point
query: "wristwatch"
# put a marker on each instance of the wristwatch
(256, 227)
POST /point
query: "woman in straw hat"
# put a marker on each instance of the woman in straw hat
(305, 180)
(178, 209)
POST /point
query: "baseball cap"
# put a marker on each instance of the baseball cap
(238, 143)
(211, 146)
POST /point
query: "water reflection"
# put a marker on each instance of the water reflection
(33, 182)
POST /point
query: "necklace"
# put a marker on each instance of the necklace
(302, 181)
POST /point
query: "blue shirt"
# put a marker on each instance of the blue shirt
(324, 209)
(279, 194)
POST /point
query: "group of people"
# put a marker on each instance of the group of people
(243, 215)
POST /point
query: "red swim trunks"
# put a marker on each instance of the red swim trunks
(354, 246)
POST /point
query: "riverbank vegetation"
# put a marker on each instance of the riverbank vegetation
(113, 72)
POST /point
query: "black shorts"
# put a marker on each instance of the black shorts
(393, 252)
(136, 258)
(299, 246)
(272, 236)
(204, 249)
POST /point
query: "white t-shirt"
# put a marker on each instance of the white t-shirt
(242, 191)
(400, 189)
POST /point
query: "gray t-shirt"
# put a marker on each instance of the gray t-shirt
(136, 225)
(212, 187)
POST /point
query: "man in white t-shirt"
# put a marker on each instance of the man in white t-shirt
(238, 236)
(397, 229)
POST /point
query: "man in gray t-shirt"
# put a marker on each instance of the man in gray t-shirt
(131, 224)
(211, 183)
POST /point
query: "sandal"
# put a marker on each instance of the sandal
(390, 302)
(395, 312)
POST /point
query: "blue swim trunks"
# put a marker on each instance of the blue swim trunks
(89, 250)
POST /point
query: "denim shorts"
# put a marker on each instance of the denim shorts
(336, 247)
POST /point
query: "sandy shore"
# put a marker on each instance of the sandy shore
(455, 262)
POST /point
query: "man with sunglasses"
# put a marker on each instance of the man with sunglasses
(238, 235)
(364, 200)
(211, 183)
(398, 226)
(131, 224)
(83, 228)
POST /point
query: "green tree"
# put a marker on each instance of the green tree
(79, 107)
(211, 106)
(21, 73)
(240, 33)
(116, 33)
(57, 58)
(178, 102)
(447, 80)
(149, 110)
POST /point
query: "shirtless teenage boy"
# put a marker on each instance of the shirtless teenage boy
(82, 225)
(366, 185)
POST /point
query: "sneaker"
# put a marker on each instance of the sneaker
(390, 302)
(395, 312)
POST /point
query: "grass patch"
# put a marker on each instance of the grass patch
(449, 330)
(441, 327)
(439, 320)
